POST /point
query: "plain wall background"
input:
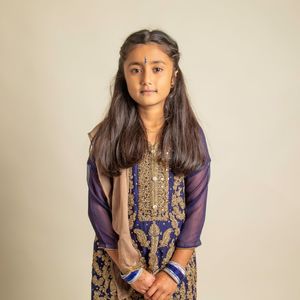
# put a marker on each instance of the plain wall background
(241, 64)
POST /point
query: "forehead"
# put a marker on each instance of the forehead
(152, 52)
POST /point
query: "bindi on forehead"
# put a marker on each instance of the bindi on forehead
(145, 60)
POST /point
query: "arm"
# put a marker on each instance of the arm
(101, 218)
(99, 211)
(182, 256)
(196, 190)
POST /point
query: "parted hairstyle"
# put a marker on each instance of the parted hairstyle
(120, 139)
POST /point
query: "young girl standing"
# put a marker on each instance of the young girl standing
(148, 175)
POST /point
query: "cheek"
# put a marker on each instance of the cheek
(167, 81)
(131, 84)
(166, 86)
(131, 88)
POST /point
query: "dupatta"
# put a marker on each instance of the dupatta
(116, 192)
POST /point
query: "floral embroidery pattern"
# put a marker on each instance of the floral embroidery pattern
(156, 212)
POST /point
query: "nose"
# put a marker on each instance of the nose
(146, 78)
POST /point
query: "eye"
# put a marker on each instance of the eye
(134, 70)
(158, 69)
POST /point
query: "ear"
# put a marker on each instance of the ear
(173, 78)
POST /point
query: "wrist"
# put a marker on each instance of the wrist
(175, 270)
(132, 276)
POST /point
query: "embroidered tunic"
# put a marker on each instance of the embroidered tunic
(165, 212)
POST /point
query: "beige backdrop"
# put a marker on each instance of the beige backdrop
(241, 64)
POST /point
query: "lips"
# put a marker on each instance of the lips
(148, 91)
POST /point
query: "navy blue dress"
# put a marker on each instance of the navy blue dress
(165, 212)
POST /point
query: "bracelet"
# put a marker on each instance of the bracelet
(132, 276)
(175, 270)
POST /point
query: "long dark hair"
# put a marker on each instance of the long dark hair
(120, 139)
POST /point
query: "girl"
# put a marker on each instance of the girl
(148, 174)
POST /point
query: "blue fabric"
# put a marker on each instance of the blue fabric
(177, 222)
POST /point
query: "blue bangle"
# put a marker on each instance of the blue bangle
(131, 277)
(175, 270)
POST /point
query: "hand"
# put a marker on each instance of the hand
(162, 288)
(144, 282)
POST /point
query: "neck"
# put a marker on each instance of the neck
(153, 118)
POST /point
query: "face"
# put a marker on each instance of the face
(148, 74)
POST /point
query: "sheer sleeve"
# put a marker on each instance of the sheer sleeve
(196, 190)
(99, 211)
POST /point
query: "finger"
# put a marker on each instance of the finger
(157, 296)
(151, 291)
(142, 291)
(148, 287)
(146, 295)
(166, 297)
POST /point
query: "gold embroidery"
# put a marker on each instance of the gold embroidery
(176, 213)
(153, 188)
(149, 191)
(182, 292)
(166, 238)
(177, 200)
(153, 259)
(152, 244)
(191, 274)
(103, 283)
(152, 239)
(169, 255)
(174, 224)
(142, 238)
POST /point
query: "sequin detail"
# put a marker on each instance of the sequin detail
(156, 212)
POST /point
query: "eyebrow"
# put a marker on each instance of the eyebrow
(151, 62)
